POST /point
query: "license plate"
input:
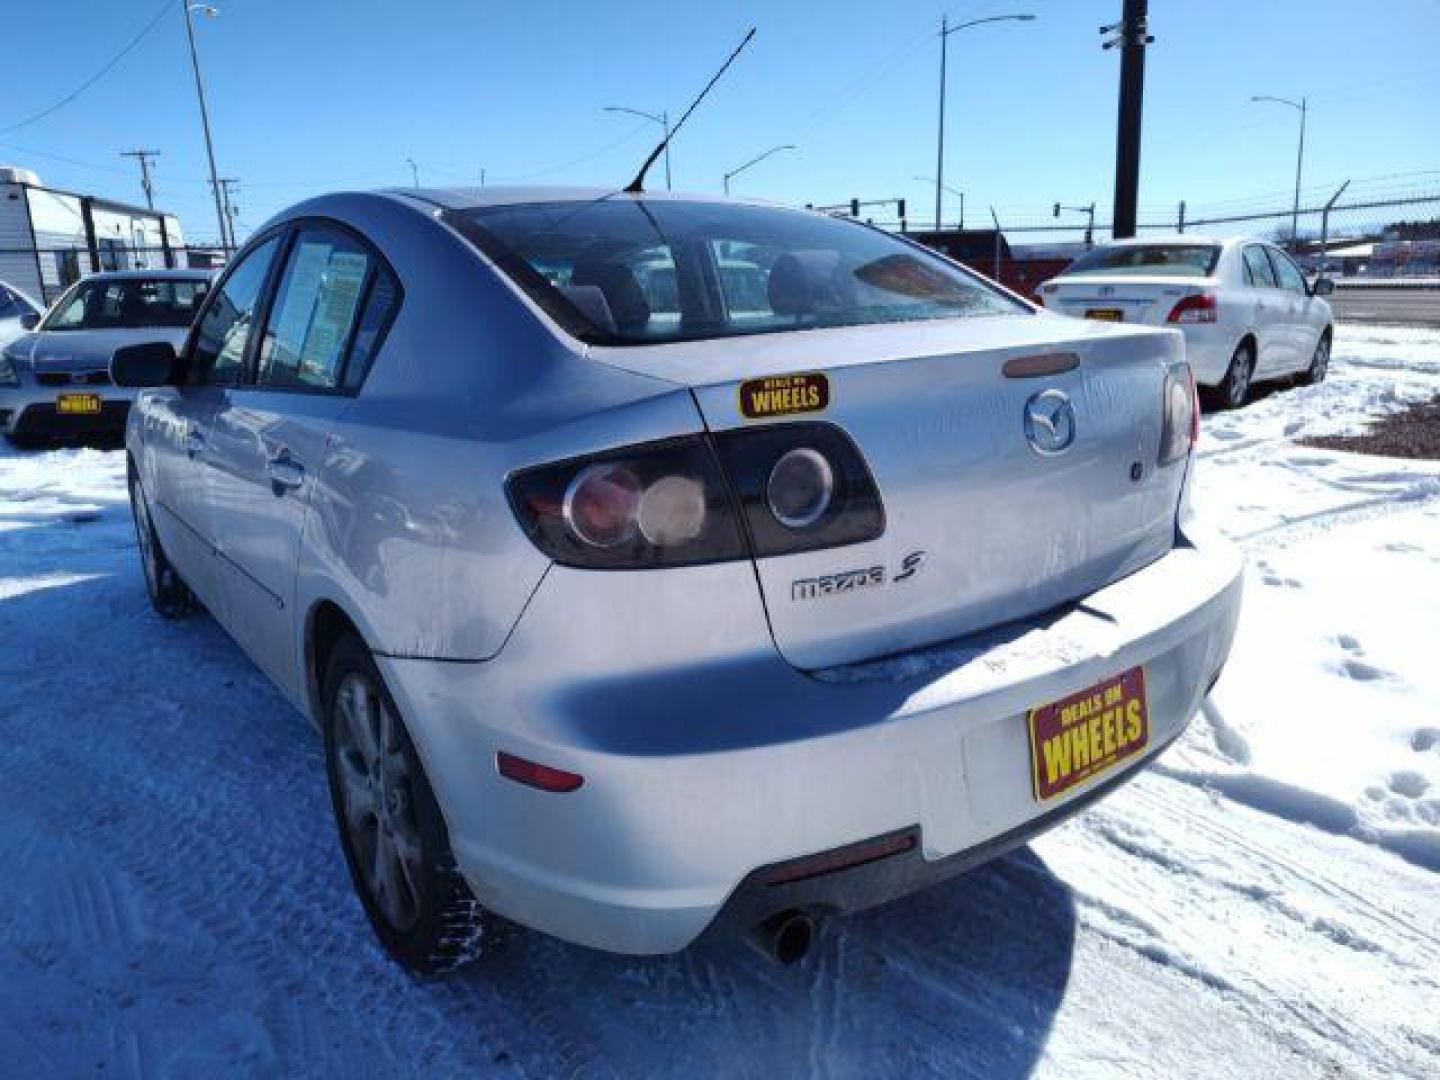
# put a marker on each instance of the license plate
(78, 404)
(1106, 314)
(1074, 740)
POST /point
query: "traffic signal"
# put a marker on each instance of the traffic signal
(854, 207)
(900, 206)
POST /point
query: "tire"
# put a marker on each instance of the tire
(1234, 389)
(391, 830)
(169, 595)
(1319, 363)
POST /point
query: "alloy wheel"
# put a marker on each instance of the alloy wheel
(377, 800)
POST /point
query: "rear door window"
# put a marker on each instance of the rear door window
(333, 302)
(1258, 271)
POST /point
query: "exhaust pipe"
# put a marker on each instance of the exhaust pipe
(785, 938)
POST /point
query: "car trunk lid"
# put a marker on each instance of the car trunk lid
(1120, 297)
(981, 526)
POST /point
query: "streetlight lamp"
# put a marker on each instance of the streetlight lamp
(754, 161)
(952, 191)
(663, 119)
(945, 31)
(1301, 107)
(209, 12)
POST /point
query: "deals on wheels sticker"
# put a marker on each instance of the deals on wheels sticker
(1077, 738)
(784, 395)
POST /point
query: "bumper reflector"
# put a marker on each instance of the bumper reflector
(828, 862)
(532, 774)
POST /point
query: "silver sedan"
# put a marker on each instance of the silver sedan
(657, 565)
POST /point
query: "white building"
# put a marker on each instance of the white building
(50, 238)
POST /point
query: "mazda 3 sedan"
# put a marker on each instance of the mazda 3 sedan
(1245, 308)
(55, 381)
(657, 565)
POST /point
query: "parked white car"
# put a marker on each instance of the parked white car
(1244, 306)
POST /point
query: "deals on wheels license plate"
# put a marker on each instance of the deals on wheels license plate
(78, 404)
(1074, 740)
(1106, 314)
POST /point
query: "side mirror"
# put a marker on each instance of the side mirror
(151, 364)
(30, 320)
(1322, 287)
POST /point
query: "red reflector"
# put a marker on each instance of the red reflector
(535, 775)
(828, 862)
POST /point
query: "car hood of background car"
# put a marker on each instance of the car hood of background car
(85, 350)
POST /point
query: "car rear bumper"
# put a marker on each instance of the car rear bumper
(31, 411)
(703, 775)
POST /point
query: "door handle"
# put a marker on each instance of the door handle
(286, 474)
(194, 442)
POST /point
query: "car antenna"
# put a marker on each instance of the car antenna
(637, 186)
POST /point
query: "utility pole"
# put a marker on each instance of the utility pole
(227, 185)
(188, 8)
(414, 173)
(1132, 35)
(145, 182)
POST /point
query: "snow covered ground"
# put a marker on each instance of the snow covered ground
(1264, 903)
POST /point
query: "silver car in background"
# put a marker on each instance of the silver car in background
(1245, 308)
(657, 565)
(55, 380)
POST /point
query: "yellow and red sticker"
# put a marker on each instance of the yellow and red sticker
(1077, 738)
(784, 395)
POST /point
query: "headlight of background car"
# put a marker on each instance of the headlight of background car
(8, 377)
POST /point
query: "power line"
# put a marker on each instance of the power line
(93, 79)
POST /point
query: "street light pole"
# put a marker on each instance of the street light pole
(663, 119)
(754, 161)
(945, 31)
(188, 8)
(414, 173)
(1302, 106)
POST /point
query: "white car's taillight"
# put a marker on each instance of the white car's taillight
(1180, 430)
(1197, 308)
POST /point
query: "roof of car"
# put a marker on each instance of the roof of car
(151, 275)
(456, 198)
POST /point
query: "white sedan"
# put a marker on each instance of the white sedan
(1244, 306)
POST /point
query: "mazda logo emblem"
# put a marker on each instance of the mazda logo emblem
(1050, 422)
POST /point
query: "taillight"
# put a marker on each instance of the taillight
(1196, 308)
(1180, 428)
(657, 504)
(679, 502)
(801, 487)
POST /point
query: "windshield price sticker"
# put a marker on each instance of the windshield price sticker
(784, 395)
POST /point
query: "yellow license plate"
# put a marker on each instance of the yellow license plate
(78, 404)
(1074, 740)
(1106, 314)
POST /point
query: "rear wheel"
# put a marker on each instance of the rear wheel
(1319, 363)
(1234, 389)
(169, 595)
(393, 835)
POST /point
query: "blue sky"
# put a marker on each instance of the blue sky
(307, 97)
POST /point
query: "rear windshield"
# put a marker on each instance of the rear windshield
(623, 271)
(128, 303)
(1172, 260)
